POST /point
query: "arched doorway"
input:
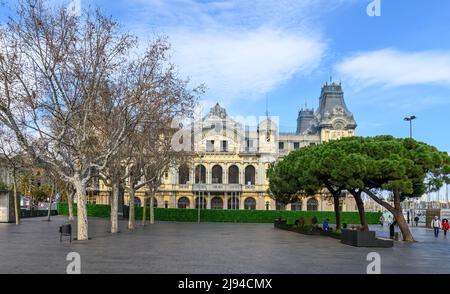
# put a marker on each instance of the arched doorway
(217, 172)
(250, 203)
(297, 205)
(280, 205)
(155, 202)
(312, 204)
(216, 203)
(200, 202)
(183, 203)
(233, 175)
(200, 174)
(250, 173)
(137, 202)
(233, 203)
(183, 174)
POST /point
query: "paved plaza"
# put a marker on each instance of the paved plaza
(213, 248)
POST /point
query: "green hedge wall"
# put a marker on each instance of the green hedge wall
(234, 216)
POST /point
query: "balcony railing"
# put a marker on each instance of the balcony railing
(217, 187)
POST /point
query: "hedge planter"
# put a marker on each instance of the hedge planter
(364, 239)
(312, 230)
(230, 216)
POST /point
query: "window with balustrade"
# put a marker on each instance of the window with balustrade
(250, 175)
(233, 175)
(217, 174)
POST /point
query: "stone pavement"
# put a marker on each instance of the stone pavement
(213, 248)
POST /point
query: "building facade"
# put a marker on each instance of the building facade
(228, 170)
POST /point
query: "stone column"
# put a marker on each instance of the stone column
(208, 201)
(225, 201)
(160, 200)
(273, 205)
(304, 204)
(225, 175)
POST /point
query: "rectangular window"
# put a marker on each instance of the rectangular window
(296, 145)
(224, 146)
(248, 144)
(210, 146)
(281, 145)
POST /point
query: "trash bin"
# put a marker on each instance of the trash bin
(65, 230)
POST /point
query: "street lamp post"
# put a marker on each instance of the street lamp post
(410, 119)
(200, 194)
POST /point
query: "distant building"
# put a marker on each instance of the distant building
(229, 169)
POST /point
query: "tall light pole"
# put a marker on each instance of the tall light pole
(200, 194)
(410, 119)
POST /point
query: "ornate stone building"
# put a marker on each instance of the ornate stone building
(230, 163)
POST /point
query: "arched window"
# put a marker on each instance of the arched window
(200, 201)
(250, 175)
(217, 174)
(155, 202)
(312, 204)
(183, 203)
(216, 203)
(200, 174)
(233, 175)
(137, 202)
(250, 203)
(183, 174)
(280, 205)
(233, 203)
(297, 205)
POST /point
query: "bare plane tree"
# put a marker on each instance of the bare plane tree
(57, 83)
(14, 158)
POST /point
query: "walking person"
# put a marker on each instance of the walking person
(416, 220)
(445, 227)
(436, 225)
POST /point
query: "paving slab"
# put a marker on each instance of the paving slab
(207, 248)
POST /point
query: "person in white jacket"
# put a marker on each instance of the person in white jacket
(436, 225)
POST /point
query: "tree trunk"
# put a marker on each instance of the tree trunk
(70, 204)
(402, 224)
(50, 201)
(361, 211)
(337, 211)
(397, 213)
(115, 208)
(82, 226)
(131, 214)
(152, 210)
(144, 212)
(16, 201)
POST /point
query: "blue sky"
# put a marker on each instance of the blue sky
(390, 66)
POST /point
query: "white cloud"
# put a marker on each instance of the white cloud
(236, 64)
(391, 68)
(239, 49)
